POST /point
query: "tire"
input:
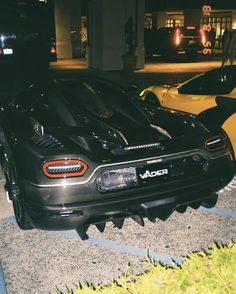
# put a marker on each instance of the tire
(16, 194)
(152, 99)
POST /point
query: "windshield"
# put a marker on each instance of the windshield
(102, 100)
(68, 103)
(190, 32)
(215, 82)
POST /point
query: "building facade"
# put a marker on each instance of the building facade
(215, 21)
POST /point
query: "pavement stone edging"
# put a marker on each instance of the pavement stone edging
(2, 282)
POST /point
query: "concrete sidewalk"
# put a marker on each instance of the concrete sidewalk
(156, 71)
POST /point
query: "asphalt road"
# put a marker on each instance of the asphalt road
(39, 262)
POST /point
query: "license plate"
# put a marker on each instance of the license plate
(7, 51)
(152, 173)
(191, 42)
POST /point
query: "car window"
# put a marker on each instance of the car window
(211, 83)
(25, 100)
(91, 98)
(101, 100)
(53, 110)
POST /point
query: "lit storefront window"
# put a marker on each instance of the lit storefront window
(170, 23)
(219, 24)
(148, 21)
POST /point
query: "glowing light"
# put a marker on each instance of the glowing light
(206, 9)
(177, 37)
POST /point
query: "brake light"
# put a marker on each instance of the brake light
(231, 157)
(53, 50)
(177, 37)
(203, 37)
(64, 168)
(215, 143)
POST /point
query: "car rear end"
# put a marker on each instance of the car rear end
(111, 162)
(74, 194)
(8, 38)
(7, 47)
(188, 41)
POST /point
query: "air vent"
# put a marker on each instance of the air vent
(47, 141)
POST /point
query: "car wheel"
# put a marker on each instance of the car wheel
(152, 99)
(15, 193)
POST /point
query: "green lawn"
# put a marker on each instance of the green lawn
(201, 273)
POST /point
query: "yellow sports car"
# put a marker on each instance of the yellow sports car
(198, 94)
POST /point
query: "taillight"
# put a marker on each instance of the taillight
(203, 37)
(177, 37)
(231, 156)
(216, 143)
(53, 50)
(64, 168)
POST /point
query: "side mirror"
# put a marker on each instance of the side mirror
(226, 102)
(216, 116)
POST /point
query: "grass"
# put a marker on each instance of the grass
(211, 272)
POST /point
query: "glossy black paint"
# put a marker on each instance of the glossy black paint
(98, 122)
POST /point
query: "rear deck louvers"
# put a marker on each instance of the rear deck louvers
(47, 141)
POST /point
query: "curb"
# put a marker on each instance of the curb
(3, 289)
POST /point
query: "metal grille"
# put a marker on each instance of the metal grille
(116, 180)
(47, 141)
(128, 178)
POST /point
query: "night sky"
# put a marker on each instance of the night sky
(159, 5)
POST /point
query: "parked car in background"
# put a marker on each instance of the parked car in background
(199, 94)
(27, 33)
(174, 41)
(77, 152)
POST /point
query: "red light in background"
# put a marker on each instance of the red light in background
(203, 36)
(53, 50)
(177, 37)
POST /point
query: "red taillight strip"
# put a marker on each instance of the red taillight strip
(177, 37)
(231, 156)
(67, 163)
(53, 50)
(203, 36)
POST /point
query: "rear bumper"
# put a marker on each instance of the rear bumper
(151, 204)
(189, 52)
(79, 205)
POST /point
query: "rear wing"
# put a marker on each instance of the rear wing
(216, 116)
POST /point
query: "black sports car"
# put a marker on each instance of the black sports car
(83, 151)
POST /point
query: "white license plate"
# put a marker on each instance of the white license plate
(7, 51)
(192, 42)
